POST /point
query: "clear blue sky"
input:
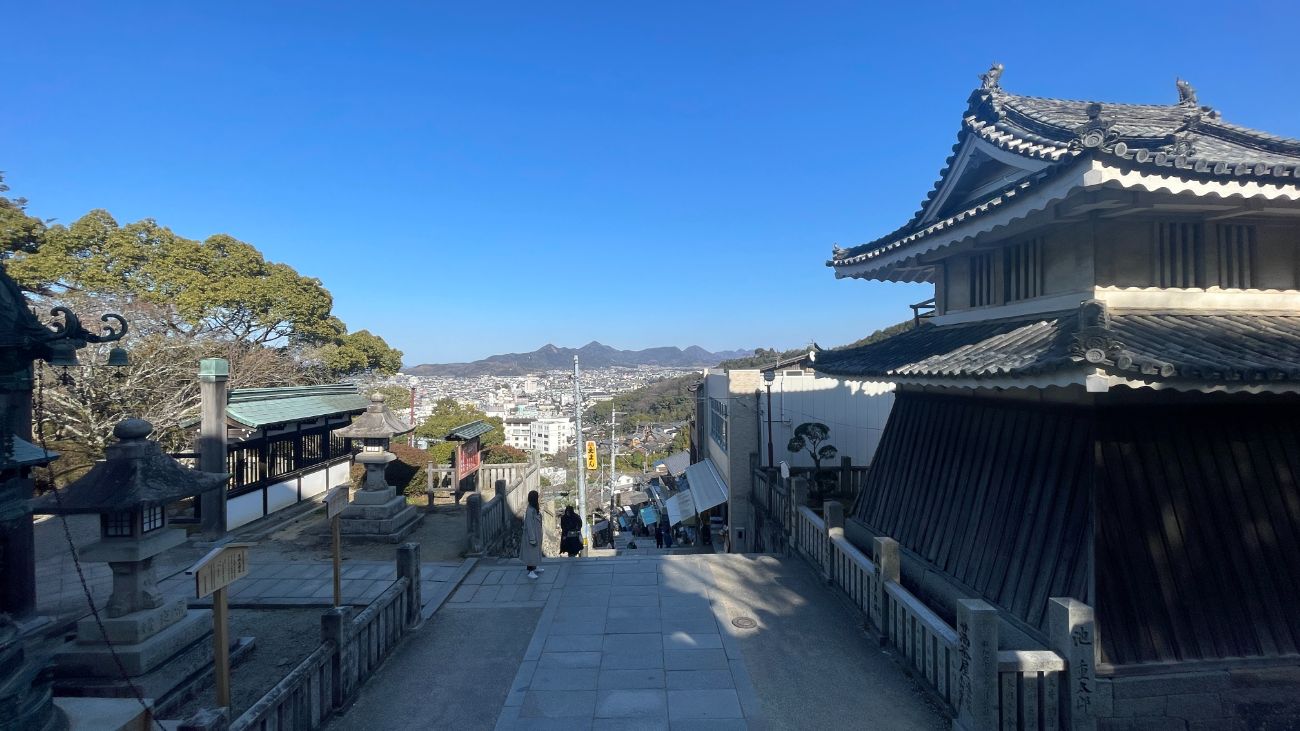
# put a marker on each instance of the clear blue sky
(483, 177)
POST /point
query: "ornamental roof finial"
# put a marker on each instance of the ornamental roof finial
(1186, 93)
(989, 79)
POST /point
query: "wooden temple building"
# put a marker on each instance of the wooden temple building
(1104, 402)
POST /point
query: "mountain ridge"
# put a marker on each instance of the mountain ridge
(551, 357)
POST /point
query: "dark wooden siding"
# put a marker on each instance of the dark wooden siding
(1198, 524)
(993, 493)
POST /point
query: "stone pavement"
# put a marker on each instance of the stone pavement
(276, 578)
(644, 642)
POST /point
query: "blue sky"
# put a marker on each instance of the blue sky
(475, 178)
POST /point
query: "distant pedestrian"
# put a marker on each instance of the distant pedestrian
(530, 549)
(706, 534)
(668, 537)
(659, 536)
(570, 532)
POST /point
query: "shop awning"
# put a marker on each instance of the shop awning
(649, 516)
(707, 487)
(681, 508)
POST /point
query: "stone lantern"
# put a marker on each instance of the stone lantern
(377, 512)
(130, 489)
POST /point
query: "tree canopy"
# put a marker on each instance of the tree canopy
(449, 414)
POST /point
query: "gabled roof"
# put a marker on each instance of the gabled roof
(259, 407)
(469, 431)
(1037, 138)
(1234, 348)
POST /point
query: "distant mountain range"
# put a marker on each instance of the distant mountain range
(592, 355)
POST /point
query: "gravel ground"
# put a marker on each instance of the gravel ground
(283, 638)
(441, 535)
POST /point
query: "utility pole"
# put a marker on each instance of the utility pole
(414, 424)
(582, 465)
(613, 460)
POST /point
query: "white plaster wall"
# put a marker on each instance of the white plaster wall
(281, 495)
(855, 411)
(243, 509)
(315, 483)
(339, 474)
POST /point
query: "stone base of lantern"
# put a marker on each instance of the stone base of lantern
(378, 516)
(156, 641)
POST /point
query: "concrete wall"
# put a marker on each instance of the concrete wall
(738, 389)
(1240, 698)
(855, 411)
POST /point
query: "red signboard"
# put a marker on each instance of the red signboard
(467, 458)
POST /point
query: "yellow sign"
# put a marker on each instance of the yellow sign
(591, 455)
(219, 568)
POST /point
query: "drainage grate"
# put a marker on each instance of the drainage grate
(744, 622)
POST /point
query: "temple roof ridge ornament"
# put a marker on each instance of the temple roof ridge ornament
(991, 79)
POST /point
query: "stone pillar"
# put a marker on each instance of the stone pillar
(214, 373)
(408, 567)
(336, 627)
(846, 475)
(1072, 629)
(429, 487)
(976, 666)
(474, 523)
(833, 519)
(17, 550)
(888, 571)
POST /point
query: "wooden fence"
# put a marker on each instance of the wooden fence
(983, 687)
(352, 649)
(490, 524)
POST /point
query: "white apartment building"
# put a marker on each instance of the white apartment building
(551, 435)
(519, 432)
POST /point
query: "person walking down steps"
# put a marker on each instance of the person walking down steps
(530, 548)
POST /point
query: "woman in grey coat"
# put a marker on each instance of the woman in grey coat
(530, 548)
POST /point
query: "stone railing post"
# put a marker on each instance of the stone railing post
(336, 627)
(1071, 629)
(429, 485)
(846, 476)
(888, 571)
(499, 489)
(207, 719)
(798, 499)
(474, 523)
(833, 520)
(408, 567)
(977, 666)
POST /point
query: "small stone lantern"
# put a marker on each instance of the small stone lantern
(377, 512)
(375, 428)
(130, 489)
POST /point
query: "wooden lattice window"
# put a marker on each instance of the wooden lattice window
(1178, 255)
(981, 280)
(151, 519)
(1236, 253)
(1022, 271)
(118, 524)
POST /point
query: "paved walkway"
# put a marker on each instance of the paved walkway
(276, 578)
(638, 642)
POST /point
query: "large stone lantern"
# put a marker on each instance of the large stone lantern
(377, 512)
(130, 490)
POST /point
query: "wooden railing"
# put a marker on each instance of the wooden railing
(982, 686)
(489, 524)
(352, 649)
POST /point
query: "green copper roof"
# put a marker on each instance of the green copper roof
(259, 407)
(470, 430)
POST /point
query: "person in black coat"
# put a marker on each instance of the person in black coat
(659, 536)
(570, 532)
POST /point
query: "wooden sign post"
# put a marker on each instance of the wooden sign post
(212, 574)
(335, 501)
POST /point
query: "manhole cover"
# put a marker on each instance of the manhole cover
(744, 622)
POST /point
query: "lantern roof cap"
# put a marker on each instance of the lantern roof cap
(376, 422)
(135, 472)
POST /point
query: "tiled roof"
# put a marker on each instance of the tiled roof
(1226, 348)
(25, 454)
(470, 430)
(258, 407)
(1184, 138)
